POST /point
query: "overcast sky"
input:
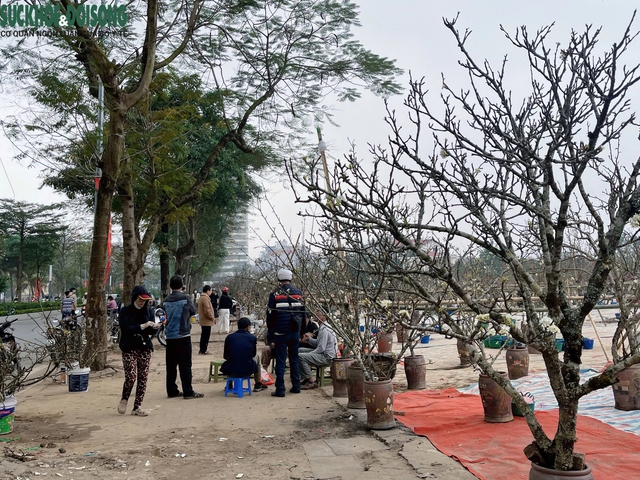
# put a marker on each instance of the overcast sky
(412, 32)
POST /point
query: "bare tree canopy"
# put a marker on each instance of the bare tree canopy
(517, 209)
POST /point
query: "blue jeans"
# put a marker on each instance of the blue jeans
(287, 342)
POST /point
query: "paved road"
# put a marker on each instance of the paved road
(30, 327)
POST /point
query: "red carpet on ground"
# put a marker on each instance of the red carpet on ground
(454, 423)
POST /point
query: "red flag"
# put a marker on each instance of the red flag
(106, 276)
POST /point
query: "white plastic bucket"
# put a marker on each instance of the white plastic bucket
(78, 379)
(7, 412)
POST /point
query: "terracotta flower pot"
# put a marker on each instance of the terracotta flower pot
(355, 386)
(385, 342)
(495, 400)
(415, 370)
(541, 473)
(626, 392)
(517, 361)
(339, 376)
(378, 397)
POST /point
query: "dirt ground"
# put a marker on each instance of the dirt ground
(80, 435)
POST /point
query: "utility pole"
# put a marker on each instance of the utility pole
(322, 147)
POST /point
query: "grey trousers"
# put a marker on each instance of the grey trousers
(308, 360)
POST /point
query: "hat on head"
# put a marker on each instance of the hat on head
(243, 323)
(141, 292)
(284, 274)
(225, 289)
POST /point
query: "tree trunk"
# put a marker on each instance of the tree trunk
(96, 301)
(165, 260)
(565, 437)
(19, 270)
(134, 255)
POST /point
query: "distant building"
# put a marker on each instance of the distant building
(237, 250)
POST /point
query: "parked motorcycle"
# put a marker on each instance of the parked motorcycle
(10, 348)
(113, 326)
(161, 318)
(65, 338)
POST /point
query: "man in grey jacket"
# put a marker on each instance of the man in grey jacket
(325, 349)
(179, 309)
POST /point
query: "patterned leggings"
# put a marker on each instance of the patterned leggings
(135, 364)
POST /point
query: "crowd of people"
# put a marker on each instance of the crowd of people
(291, 335)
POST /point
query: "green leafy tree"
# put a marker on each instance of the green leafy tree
(32, 231)
(286, 55)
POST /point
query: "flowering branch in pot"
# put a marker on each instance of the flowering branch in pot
(486, 209)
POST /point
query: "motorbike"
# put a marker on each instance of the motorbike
(113, 326)
(10, 348)
(65, 337)
(161, 318)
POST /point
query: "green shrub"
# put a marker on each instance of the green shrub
(28, 307)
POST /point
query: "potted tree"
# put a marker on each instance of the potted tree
(68, 347)
(489, 216)
(18, 365)
(357, 306)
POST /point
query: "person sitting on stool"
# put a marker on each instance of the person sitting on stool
(326, 349)
(240, 354)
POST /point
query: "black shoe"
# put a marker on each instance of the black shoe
(276, 394)
(294, 390)
(259, 387)
(175, 395)
(194, 395)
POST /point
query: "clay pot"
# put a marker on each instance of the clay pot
(495, 400)
(541, 473)
(415, 370)
(378, 397)
(517, 361)
(464, 353)
(626, 392)
(355, 386)
(339, 376)
(400, 333)
(385, 342)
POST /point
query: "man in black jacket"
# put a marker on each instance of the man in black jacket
(285, 313)
(240, 354)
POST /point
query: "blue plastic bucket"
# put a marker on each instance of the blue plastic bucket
(587, 343)
(559, 344)
(425, 339)
(7, 412)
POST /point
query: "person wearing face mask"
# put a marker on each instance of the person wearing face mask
(137, 325)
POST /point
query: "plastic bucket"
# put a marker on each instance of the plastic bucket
(425, 339)
(78, 380)
(588, 343)
(7, 411)
(560, 344)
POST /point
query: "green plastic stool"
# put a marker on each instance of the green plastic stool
(214, 368)
(320, 378)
